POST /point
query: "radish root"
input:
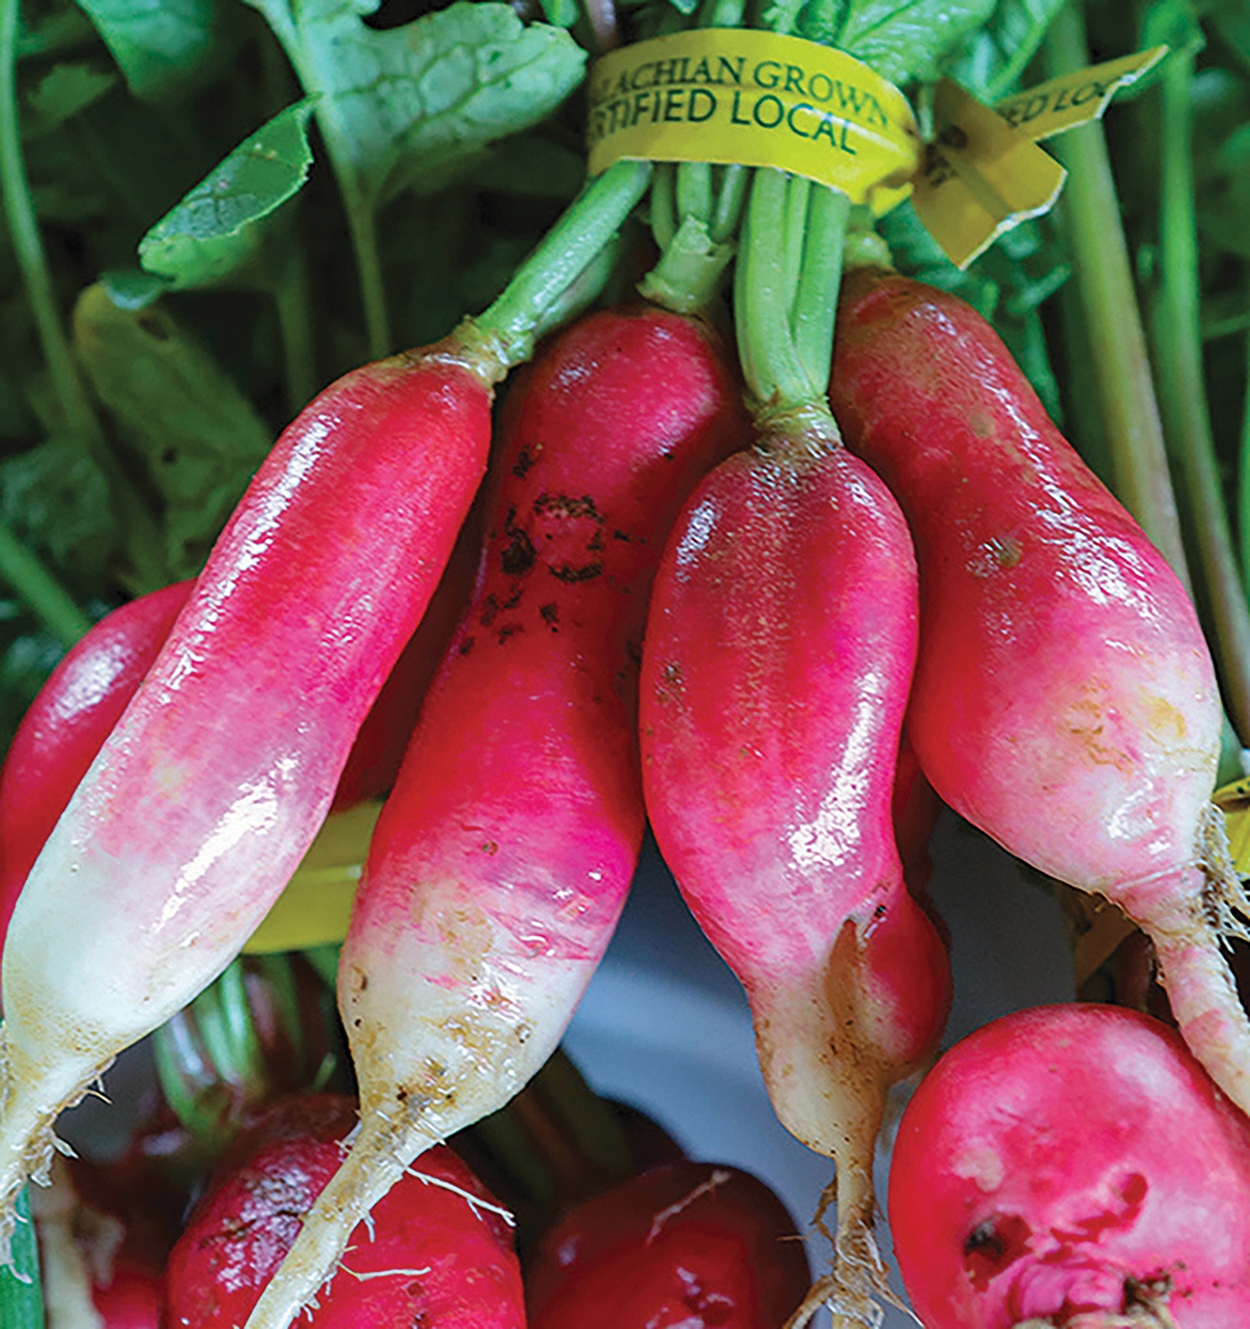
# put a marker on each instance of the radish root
(1188, 915)
(381, 1153)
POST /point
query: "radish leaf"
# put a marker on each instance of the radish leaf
(161, 46)
(217, 229)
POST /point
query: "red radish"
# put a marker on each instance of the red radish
(210, 788)
(501, 861)
(85, 695)
(700, 1245)
(1072, 1166)
(67, 723)
(779, 648)
(437, 1251)
(1064, 698)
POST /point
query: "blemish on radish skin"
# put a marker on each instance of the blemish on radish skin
(984, 1166)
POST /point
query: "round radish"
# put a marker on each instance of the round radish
(699, 1245)
(1072, 1166)
(437, 1252)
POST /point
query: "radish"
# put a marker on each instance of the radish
(66, 724)
(1072, 1167)
(1064, 699)
(779, 649)
(436, 1253)
(211, 787)
(700, 1245)
(502, 858)
(85, 695)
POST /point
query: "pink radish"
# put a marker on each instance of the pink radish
(696, 1245)
(1064, 699)
(214, 782)
(211, 786)
(67, 723)
(1072, 1167)
(778, 653)
(502, 858)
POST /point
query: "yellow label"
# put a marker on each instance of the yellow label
(980, 176)
(1234, 801)
(1076, 98)
(733, 95)
(316, 905)
(983, 174)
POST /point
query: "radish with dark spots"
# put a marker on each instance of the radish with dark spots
(700, 1245)
(502, 858)
(437, 1251)
(1072, 1167)
(1065, 700)
(214, 782)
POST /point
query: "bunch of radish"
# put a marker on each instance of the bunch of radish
(769, 605)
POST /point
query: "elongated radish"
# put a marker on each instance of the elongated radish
(1064, 699)
(1073, 1167)
(67, 723)
(778, 652)
(437, 1253)
(85, 695)
(700, 1245)
(213, 784)
(502, 858)
(779, 649)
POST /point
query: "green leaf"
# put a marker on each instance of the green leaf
(63, 92)
(163, 47)
(196, 437)
(217, 230)
(906, 41)
(56, 500)
(403, 107)
(990, 62)
(1231, 19)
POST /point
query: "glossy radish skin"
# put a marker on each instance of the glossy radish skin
(67, 723)
(1064, 698)
(85, 695)
(779, 648)
(501, 861)
(438, 1253)
(699, 1245)
(1069, 1166)
(209, 790)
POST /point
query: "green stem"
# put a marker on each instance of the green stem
(591, 222)
(731, 196)
(1187, 425)
(28, 244)
(21, 1294)
(820, 275)
(295, 321)
(1243, 477)
(50, 601)
(1108, 298)
(362, 226)
(664, 203)
(765, 282)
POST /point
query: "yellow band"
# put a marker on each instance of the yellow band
(739, 95)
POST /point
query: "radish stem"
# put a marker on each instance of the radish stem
(1104, 280)
(1177, 343)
